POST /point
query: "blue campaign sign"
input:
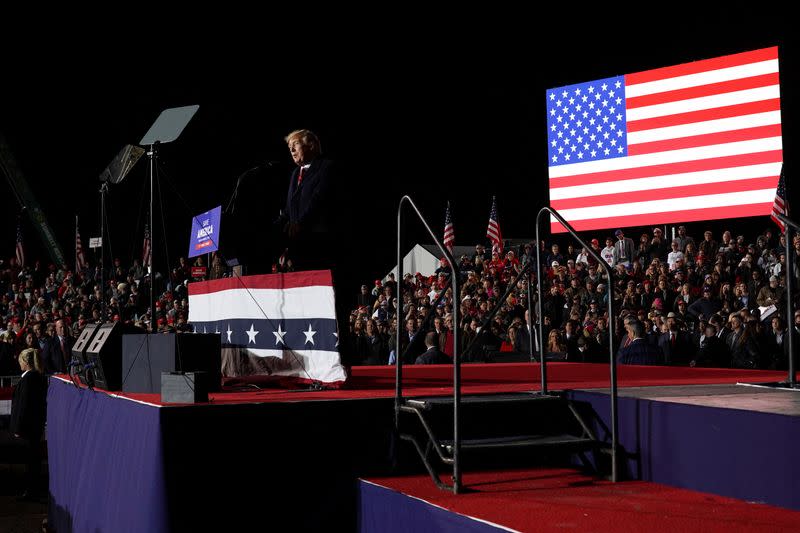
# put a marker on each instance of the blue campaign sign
(205, 232)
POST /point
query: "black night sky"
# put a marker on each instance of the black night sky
(456, 115)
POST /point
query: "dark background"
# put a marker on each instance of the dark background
(444, 109)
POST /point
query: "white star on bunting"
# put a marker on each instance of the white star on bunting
(279, 336)
(251, 335)
(309, 335)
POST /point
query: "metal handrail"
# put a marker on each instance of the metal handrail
(790, 224)
(398, 396)
(612, 359)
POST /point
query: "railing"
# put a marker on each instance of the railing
(609, 295)
(790, 224)
(398, 397)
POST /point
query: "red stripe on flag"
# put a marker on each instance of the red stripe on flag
(706, 139)
(714, 163)
(711, 89)
(696, 67)
(690, 117)
(686, 191)
(670, 217)
(290, 280)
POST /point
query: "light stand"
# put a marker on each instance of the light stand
(115, 172)
(103, 191)
(152, 155)
(167, 127)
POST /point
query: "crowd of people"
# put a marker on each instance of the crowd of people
(46, 307)
(690, 301)
(679, 301)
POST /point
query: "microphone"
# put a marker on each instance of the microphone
(231, 207)
(266, 164)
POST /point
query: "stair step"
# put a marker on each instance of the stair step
(521, 441)
(480, 399)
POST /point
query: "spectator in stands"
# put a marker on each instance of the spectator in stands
(683, 239)
(609, 253)
(772, 294)
(365, 298)
(709, 247)
(554, 256)
(556, 348)
(371, 345)
(675, 255)
(657, 248)
(480, 251)
(8, 358)
(624, 248)
(217, 267)
(705, 305)
(28, 418)
(712, 351)
(432, 355)
(583, 257)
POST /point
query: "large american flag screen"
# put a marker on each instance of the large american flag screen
(698, 141)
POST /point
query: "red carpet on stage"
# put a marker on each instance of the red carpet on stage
(564, 500)
(435, 380)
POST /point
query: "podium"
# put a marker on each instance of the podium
(146, 356)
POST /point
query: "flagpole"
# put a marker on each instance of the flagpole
(76, 244)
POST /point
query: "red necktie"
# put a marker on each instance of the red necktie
(300, 176)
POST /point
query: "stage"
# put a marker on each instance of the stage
(543, 500)
(259, 456)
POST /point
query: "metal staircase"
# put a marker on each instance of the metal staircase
(445, 428)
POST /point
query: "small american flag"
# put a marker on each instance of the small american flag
(80, 259)
(698, 141)
(449, 235)
(779, 206)
(146, 252)
(493, 231)
(20, 249)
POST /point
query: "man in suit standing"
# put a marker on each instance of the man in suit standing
(676, 345)
(522, 342)
(58, 350)
(28, 417)
(433, 355)
(312, 210)
(624, 248)
(639, 351)
(308, 210)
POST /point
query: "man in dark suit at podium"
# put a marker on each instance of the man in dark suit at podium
(308, 212)
(311, 217)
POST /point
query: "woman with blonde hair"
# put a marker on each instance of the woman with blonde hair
(28, 416)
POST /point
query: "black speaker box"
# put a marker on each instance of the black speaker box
(103, 356)
(80, 346)
(146, 357)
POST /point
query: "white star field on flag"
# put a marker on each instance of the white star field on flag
(586, 122)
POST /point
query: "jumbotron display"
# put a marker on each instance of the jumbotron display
(698, 141)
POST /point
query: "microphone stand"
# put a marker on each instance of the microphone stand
(231, 207)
